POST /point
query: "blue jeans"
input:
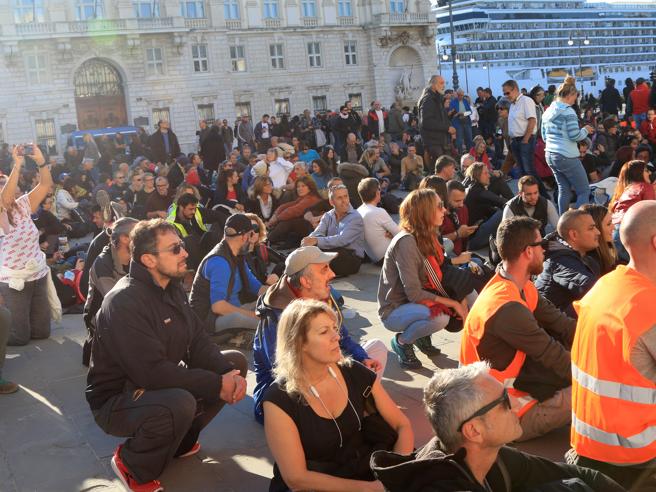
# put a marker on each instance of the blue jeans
(569, 173)
(639, 118)
(524, 154)
(414, 321)
(480, 239)
(463, 132)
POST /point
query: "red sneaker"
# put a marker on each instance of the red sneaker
(194, 450)
(128, 480)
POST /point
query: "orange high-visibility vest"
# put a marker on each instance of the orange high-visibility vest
(613, 405)
(498, 292)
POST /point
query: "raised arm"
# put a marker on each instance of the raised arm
(41, 190)
(8, 194)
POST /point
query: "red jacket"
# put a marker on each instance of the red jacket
(640, 99)
(448, 226)
(648, 130)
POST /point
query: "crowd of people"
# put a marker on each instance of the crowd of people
(170, 256)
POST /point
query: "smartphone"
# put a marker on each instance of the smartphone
(28, 149)
(478, 222)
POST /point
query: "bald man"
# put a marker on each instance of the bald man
(614, 363)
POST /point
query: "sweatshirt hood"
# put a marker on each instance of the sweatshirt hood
(556, 109)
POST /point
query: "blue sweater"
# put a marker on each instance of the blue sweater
(560, 130)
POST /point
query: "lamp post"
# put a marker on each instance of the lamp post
(453, 46)
(580, 41)
(486, 67)
(471, 60)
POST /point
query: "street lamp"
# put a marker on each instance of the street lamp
(580, 42)
(453, 46)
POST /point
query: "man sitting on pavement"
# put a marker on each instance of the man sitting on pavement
(529, 202)
(568, 273)
(522, 335)
(613, 363)
(225, 290)
(471, 415)
(137, 386)
(445, 167)
(159, 202)
(379, 227)
(189, 218)
(307, 276)
(341, 230)
(456, 226)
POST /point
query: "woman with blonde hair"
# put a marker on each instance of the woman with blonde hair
(561, 132)
(319, 412)
(411, 299)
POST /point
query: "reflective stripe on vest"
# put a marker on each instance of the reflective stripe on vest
(612, 389)
(645, 438)
(173, 213)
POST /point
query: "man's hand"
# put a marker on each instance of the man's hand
(233, 387)
(452, 130)
(309, 241)
(590, 129)
(465, 231)
(272, 279)
(373, 364)
(162, 214)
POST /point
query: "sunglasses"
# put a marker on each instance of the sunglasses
(440, 205)
(506, 93)
(542, 243)
(256, 227)
(175, 249)
(504, 398)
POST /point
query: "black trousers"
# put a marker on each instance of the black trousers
(346, 262)
(159, 424)
(290, 232)
(431, 152)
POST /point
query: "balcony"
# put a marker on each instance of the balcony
(233, 23)
(272, 22)
(97, 25)
(200, 23)
(155, 22)
(346, 21)
(36, 28)
(407, 19)
(310, 21)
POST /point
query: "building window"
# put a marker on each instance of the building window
(270, 9)
(344, 8)
(154, 61)
(161, 114)
(28, 11)
(144, 8)
(281, 107)
(89, 9)
(277, 59)
(46, 136)
(231, 9)
(36, 65)
(243, 109)
(199, 56)
(314, 54)
(319, 104)
(356, 101)
(206, 112)
(193, 9)
(238, 58)
(309, 8)
(349, 53)
(397, 6)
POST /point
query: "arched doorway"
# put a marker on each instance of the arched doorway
(406, 74)
(99, 96)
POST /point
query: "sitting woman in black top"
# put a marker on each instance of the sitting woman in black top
(314, 413)
(263, 204)
(485, 207)
(228, 192)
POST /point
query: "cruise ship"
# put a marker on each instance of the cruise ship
(540, 42)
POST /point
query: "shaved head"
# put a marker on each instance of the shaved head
(638, 228)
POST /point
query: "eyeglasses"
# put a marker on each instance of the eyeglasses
(175, 249)
(504, 398)
(542, 243)
(440, 205)
(506, 93)
(256, 227)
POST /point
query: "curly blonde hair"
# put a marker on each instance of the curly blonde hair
(293, 329)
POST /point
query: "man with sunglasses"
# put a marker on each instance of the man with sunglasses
(522, 335)
(225, 290)
(472, 416)
(155, 377)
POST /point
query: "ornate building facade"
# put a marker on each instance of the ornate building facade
(82, 64)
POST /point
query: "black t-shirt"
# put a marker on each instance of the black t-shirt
(319, 436)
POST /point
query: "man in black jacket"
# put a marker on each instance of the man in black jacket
(164, 146)
(610, 99)
(473, 422)
(137, 386)
(434, 123)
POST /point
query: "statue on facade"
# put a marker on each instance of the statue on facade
(404, 89)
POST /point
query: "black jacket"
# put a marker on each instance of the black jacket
(610, 100)
(567, 276)
(142, 334)
(158, 150)
(212, 149)
(481, 202)
(431, 470)
(434, 122)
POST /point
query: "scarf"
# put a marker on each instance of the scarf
(434, 282)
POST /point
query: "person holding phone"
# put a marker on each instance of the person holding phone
(24, 273)
(462, 120)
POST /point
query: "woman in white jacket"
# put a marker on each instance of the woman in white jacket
(64, 199)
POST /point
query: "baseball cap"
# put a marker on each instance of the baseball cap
(304, 256)
(236, 225)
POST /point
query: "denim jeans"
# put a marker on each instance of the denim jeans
(414, 321)
(639, 118)
(463, 133)
(569, 173)
(524, 154)
(480, 239)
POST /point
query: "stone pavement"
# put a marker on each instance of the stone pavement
(49, 441)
